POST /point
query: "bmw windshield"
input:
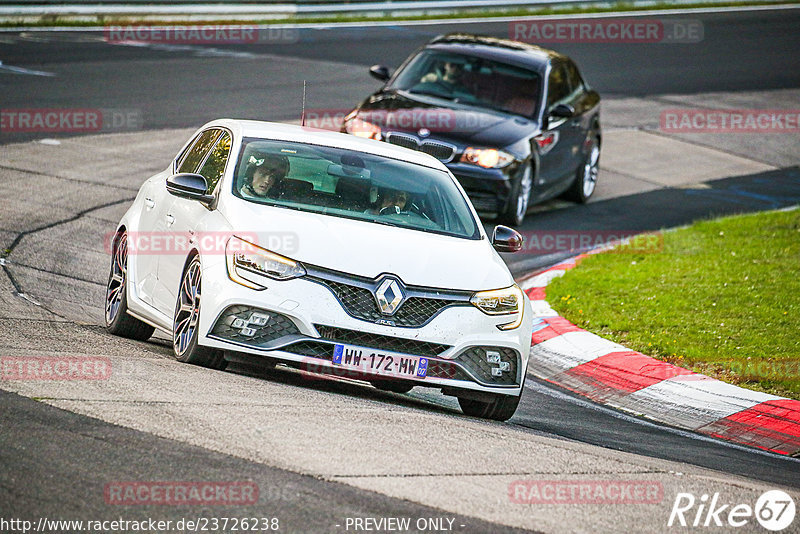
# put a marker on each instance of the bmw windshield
(471, 80)
(354, 185)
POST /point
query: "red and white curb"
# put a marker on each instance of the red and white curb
(611, 374)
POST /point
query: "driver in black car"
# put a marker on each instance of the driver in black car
(450, 74)
(448, 80)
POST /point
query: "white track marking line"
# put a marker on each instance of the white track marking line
(20, 70)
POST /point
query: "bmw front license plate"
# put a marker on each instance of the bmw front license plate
(380, 363)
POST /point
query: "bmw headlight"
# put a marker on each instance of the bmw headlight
(488, 158)
(506, 301)
(248, 264)
(362, 128)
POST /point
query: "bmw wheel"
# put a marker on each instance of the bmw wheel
(118, 321)
(185, 327)
(518, 200)
(586, 176)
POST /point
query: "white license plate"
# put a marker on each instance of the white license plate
(380, 362)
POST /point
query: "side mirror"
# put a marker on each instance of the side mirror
(191, 186)
(505, 239)
(379, 72)
(563, 111)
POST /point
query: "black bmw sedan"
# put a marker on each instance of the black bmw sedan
(515, 123)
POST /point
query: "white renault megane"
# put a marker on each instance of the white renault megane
(327, 252)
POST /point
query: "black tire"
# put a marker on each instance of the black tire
(185, 331)
(394, 387)
(585, 181)
(118, 321)
(499, 408)
(518, 200)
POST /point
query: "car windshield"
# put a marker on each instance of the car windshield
(471, 80)
(354, 185)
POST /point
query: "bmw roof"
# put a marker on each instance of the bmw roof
(505, 50)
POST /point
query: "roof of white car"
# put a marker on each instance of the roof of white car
(305, 134)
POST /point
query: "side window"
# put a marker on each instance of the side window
(214, 167)
(575, 81)
(558, 87)
(198, 151)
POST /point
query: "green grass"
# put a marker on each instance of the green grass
(107, 20)
(722, 298)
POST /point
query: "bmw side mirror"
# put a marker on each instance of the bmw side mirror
(563, 111)
(379, 72)
(505, 239)
(191, 186)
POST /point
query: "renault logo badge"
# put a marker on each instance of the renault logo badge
(389, 296)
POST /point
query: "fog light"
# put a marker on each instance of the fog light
(258, 319)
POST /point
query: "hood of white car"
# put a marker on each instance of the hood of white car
(370, 249)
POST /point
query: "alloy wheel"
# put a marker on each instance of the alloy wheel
(188, 310)
(116, 279)
(590, 170)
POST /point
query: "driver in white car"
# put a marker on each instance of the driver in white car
(392, 201)
(263, 175)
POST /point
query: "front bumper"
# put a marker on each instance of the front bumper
(305, 320)
(488, 189)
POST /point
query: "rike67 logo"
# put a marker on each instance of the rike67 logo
(774, 510)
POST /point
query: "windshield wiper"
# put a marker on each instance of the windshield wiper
(387, 223)
(431, 93)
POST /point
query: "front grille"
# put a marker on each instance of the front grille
(475, 359)
(360, 303)
(405, 141)
(438, 150)
(442, 151)
(247, 332)
(381, 342)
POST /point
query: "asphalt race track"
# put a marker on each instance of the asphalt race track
(322, 451)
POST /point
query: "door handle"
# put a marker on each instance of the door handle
(170, 220)
(149, 203)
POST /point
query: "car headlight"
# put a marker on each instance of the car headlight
(506, 301)
(488, 158)
(248, 264)
(362, 128)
